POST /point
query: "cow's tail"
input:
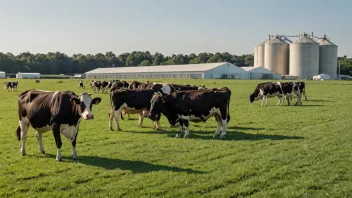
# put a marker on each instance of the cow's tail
(18, 133)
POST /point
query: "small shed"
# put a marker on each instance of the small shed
(259, 73)
(28, 75)
(322, 77)
(2, 74)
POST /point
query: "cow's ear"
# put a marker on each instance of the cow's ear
(75, 101)
(96, 101)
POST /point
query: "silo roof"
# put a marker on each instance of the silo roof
(276, 40)
(304, 39)
(263, 43)
(326, 42)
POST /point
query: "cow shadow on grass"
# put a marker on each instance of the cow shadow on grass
(133, 165)
(233, 133)
(318, 101)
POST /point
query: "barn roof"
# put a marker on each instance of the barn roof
(260, 70)
(158, 69)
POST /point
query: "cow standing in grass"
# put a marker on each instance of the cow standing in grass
(182, 106)
(57, 111)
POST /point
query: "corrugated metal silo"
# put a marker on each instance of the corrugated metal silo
(304, 57)
(277, 56)
(327, 58)
(261, 53)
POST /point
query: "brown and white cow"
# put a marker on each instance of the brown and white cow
(183, 106)
(57, 111)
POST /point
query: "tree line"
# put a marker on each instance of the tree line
(60, 63)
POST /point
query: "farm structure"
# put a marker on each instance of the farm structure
(28, 75)
(257, 73)
(222, 70)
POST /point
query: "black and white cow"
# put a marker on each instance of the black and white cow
(290, 89)
(265, 90)
(96, 86)
(12, 86)
(183, 106)
(131, 101)
(187, 87)
(302, 88)
(81, 85)
(59, 111)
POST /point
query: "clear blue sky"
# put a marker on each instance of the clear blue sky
(165, 26)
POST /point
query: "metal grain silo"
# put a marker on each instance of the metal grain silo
(277, 56)
(327, 57)
(255, 56)
(304, 58)
(259, 54)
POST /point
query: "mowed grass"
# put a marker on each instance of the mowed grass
(273, 151)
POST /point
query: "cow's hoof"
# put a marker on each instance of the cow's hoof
(23, 154)
(185, 136)
(59, 160)
(75, 159)
(42, 152)
(222, 136)
(111, 129)
(119, 129)
(214, 136)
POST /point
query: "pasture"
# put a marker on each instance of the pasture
(273, 151)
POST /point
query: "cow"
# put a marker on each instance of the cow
(81, 85)
(57, 111)
(12, 86)
(96, 86)
(187, 87)
(133, 102)
(290, 89)
(265, 90)
(125, 84)
(182, 106)
(37, 81)
(302, 87)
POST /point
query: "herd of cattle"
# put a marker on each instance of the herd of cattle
(62, 111)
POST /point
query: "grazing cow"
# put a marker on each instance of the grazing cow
(134, 85)
(133, 102)
(182, 106)
(81, 85)
(59, 111)
(37, 81)
(265, 90)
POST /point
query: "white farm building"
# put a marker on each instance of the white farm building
(2, 74)
(196, 71)
(258, 73)
(28, 75)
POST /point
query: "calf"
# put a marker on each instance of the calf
(133, 102)
(265, 90)
(59, 111)
(180, 107)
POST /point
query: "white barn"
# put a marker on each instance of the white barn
(261, 73)
(2, 74)
(28, 75)
(195, 71)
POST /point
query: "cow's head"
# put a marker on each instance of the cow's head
(156, 105)
(85, 103)
(252, 97)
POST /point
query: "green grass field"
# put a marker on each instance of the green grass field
(273, 151)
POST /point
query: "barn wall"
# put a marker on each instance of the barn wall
(169, 75)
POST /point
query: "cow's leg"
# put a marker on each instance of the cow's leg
(40, 143)
(116, 116)
(278, 101)
(56, 132)
(74, 154)
(266, 100)
(218, 120)
(128, 116)
(263, 99)
(111, 117)
(141, 117)
(24, 128)
(180, 127)
(186, 123)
